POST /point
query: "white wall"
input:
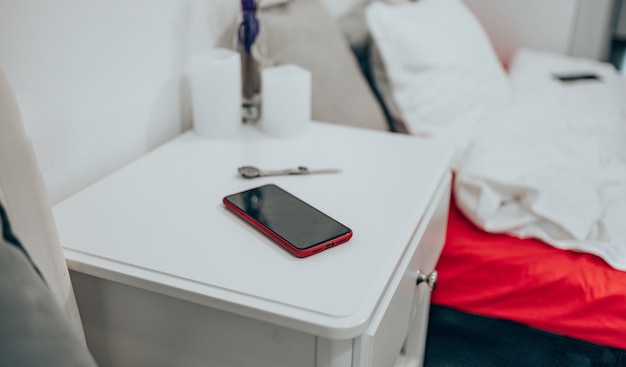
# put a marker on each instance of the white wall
(101, 82)
(574, 27)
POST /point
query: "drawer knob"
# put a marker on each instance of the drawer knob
(430, 279)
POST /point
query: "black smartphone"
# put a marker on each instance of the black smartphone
(294, 224)
(574, 77)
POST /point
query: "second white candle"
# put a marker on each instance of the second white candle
(286, 102)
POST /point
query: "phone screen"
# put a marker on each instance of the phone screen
(272, 209)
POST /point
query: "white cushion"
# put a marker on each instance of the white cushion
(445, 76)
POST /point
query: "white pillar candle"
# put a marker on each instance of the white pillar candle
(286, 100)
(215, 78)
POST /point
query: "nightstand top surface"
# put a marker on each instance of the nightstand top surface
(159, 223)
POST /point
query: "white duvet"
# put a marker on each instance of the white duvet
(554, 167)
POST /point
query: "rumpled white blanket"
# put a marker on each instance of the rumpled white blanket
(555, 167)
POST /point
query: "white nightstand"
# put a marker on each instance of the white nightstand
(165, 275)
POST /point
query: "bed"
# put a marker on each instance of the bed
(533, 270)
(534, 267)
(535, 246)
(503, 300)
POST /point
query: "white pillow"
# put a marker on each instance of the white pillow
(445, 76)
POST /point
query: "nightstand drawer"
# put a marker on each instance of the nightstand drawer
(382, 342)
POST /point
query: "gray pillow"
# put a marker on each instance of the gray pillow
(302, 32)
(354, 28)
(382, 85)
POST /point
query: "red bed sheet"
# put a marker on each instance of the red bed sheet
(527, 281)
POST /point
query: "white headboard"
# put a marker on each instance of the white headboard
(573, 27)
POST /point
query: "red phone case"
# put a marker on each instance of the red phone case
(333, 242)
